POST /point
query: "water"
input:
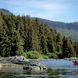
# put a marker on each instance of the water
(56, 69)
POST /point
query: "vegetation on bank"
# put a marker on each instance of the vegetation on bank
(21, 35)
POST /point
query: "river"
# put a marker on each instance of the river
(56, 69)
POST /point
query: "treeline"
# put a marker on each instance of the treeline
(22, 35)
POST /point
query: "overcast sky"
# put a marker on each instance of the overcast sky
(56, 10)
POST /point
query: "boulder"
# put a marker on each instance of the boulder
(15, 60)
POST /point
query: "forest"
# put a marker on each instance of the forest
(22, 35)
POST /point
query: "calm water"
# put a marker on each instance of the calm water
(56, 69)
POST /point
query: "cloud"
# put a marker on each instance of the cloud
(42, 8)
(39, 4)
(48, 5)
(56, 6)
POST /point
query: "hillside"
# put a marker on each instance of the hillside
(68, 29)
(5, 11)
(22, 35)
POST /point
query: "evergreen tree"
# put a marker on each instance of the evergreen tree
(59, 42)
(67, 48)
(19, 34)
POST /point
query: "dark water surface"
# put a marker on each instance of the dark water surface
(56, 69)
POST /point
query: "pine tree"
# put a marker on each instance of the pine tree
(59, 42)
(67, 48)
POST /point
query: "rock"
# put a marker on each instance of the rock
(15, 60)
(0, 65)
(35, 68)
(20, 58)
(27, 67)
(35, 65)
(27, 64)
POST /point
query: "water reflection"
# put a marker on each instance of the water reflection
(61, 71)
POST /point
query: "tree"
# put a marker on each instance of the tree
(19, 44)
(67, 48)
(59, 42)
(20, 34)
(43, 39)
(76, 48)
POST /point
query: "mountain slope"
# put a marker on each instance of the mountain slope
(67, 29)
(5, 11)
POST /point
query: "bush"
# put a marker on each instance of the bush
(34, 55)
(45, 57)
(19, 53)
(52, 55)
(24, 54)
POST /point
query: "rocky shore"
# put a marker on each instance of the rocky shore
(14, 60)
(27, 64)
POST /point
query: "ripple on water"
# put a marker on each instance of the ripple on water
(46, 76)
(58, 69)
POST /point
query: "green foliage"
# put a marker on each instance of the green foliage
(76, 48)
(53, 55)
(24, 54)
(34, 55)
(21, 35)
(45, 57)
(68, 49)
(59, 42)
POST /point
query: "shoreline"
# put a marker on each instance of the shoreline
(22, 60)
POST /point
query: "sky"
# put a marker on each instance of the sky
(55, 10)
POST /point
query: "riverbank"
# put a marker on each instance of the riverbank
(27, 64)
(14, 60)
(22, 60)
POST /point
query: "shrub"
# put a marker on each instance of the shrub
(24, 54)
(34, 55)
(45, 57)
(52, 55)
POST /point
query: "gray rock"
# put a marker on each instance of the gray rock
(14, 59)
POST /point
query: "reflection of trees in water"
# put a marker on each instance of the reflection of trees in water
(7, 75)
(50, 73)
(59, 72)
(56, 71)
(31, 74)
(12, 68)
(14, 75)
(26, 74)
(53, 71)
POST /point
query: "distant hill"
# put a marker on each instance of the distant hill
(5, 11)
(67, 29)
